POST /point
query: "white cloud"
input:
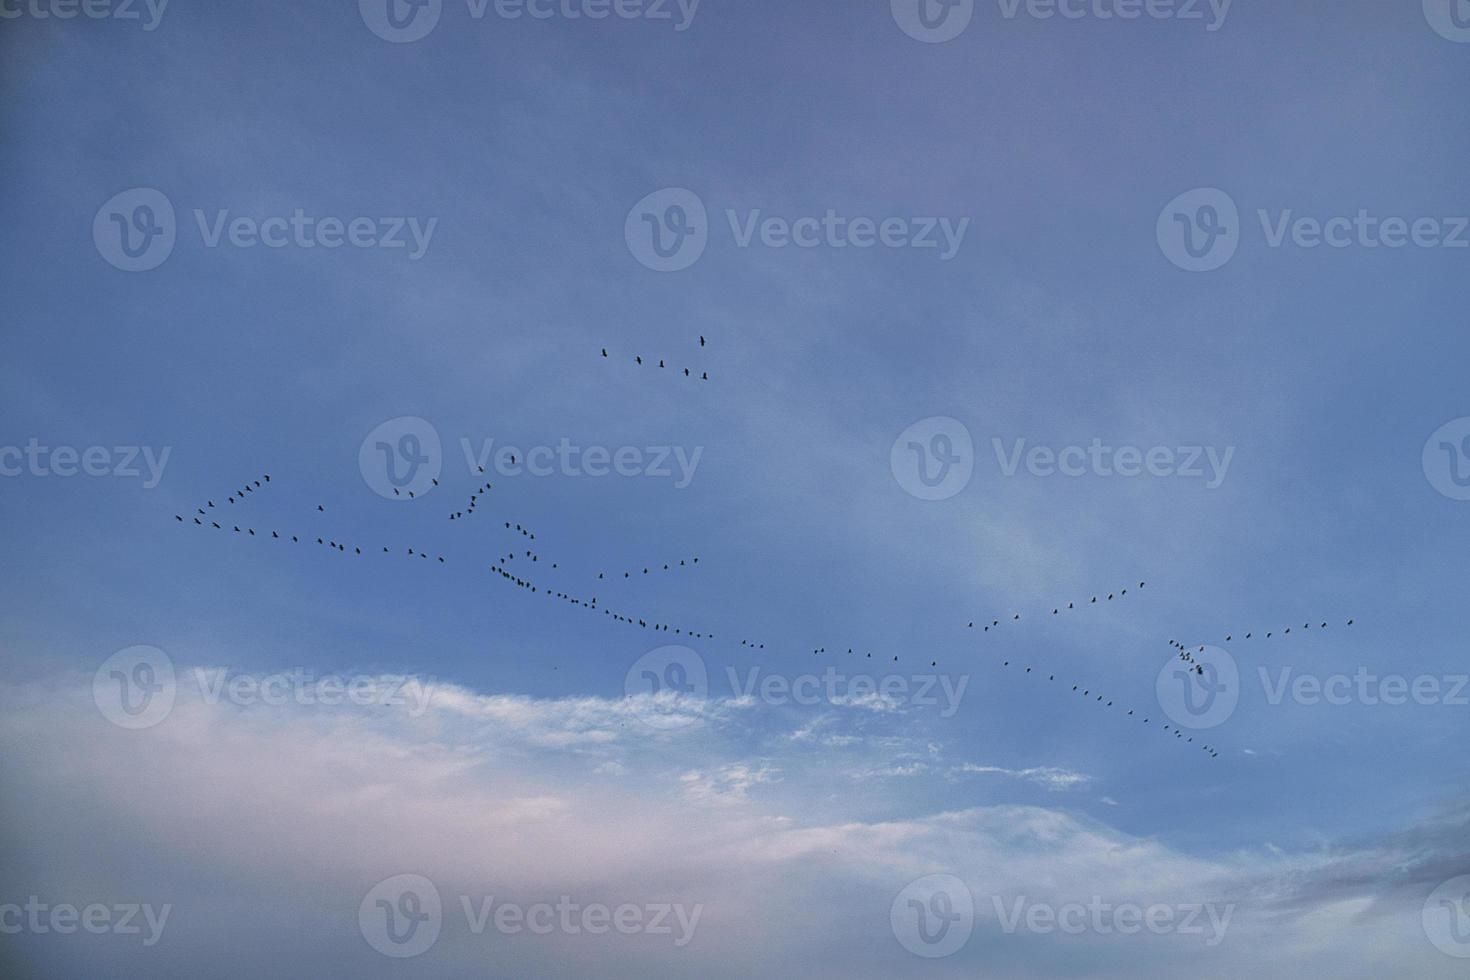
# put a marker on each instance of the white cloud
(292, 813)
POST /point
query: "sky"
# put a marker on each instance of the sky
(988, 308)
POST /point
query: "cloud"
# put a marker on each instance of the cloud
(291, 813)
(1051, 777)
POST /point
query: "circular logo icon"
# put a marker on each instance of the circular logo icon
(933, 916)
(401, 916)
(667, 230)
(1449, 18)
(933, 21)
(1447, 459)
(669, 686)
(134, 231)
(401, 458)
(1199, 230)
(1201, 691)
(934, 458)
(400, 21)
(135, 687)
(1446, 917)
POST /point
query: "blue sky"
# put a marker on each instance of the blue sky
(1060, 319)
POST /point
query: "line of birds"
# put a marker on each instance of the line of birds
(638, 359)
(529, 554)
(249, 487)
(592, 606)
(1056, 611)
(821, 650)
(396, 493)
(460, 515)
(1269, 634)
(667, 567)
(331, 545)
(500, 569)
(1086, 692)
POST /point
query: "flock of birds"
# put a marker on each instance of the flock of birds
(667, 567)
(1285, 632)
(503, 572)
(460, 515)
(501, 568)
(1098, 699)
(1056, 610)
(688, 372)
